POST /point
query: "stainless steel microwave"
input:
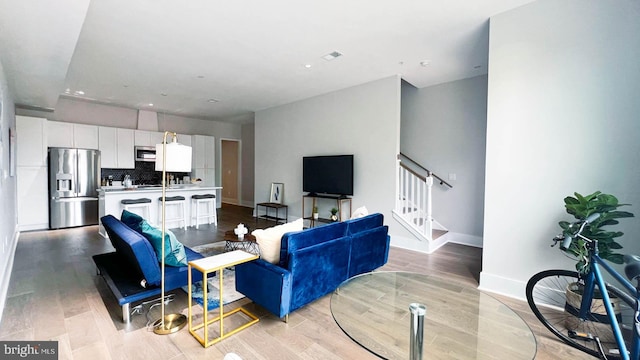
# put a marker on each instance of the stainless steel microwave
(145, 153)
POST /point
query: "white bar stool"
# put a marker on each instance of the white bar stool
(179, 203)
(143, 204)
(209, 200)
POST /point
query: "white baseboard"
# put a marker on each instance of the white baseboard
(31, 227)
(465, 239)
(503, 286)
(6, 273)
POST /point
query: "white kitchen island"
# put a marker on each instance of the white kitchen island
(109, 201)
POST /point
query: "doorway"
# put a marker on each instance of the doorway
(230, 168)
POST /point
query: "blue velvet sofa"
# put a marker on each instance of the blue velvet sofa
(314, 262)
(133, 272)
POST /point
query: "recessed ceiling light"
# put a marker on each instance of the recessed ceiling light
(67, 91)
(332, 55)
(200, 76)
(163, 94)
(213, 100)
(425, 63)
(150, 104)
(125, 85)
(78, 92)
(308, 66)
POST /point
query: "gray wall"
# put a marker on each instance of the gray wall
(248, 164)
(564, 83)
(363, 120)
(443, 129)
(8, 191)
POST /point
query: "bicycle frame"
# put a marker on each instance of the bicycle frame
(595, 277)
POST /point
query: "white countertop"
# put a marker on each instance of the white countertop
(171, 188)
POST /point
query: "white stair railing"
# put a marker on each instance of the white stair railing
(414, 200)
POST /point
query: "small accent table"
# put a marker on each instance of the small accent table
(277, 207)
(248, 243)
(206, 266)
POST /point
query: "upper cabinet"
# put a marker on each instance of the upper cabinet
(184, 139)
(31, 141)
(116, 148)
(59, 134)
(204, 160)
(85, 136)
(149, 138)
(63, 134)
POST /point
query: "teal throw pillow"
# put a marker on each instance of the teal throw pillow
(174, 254)
(132, 220)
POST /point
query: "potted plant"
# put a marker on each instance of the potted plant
(334, 212)
(581, 207)
(315, 213)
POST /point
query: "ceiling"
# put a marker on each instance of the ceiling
(224, 60)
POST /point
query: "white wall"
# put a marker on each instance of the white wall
(563, 116)
(443, 129)
(363, 120)
(8, 190)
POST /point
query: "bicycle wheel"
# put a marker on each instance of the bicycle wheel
(546, 295)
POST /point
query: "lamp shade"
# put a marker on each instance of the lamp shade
(178, 157)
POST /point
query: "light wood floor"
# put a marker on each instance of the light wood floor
(54, 294)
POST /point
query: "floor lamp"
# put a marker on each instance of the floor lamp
(170, 157)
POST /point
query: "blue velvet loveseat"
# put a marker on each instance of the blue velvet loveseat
(314, 262)
(133, 272)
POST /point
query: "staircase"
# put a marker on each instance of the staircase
(413, 208)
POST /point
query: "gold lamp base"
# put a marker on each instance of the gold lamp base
(172, 323)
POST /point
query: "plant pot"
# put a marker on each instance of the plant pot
(315, 216)
(573, 295)
(334, 217)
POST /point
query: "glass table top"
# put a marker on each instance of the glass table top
(460, 323)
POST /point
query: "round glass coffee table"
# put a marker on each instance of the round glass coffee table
(460, 323)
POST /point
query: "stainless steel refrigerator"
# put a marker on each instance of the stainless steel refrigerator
(74, 177)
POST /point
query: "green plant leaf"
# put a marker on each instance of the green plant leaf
(615, 245)
(616, 258)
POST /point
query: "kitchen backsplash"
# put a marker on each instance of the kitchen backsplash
(144, 173)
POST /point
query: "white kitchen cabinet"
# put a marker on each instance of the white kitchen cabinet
(204, 160)
(70, 135)
(208, 176)
(107, 145)
(157, 137)
(59, 134)
(33, 207)
(85, 136)
(203, 151)
(31, 172)
(184, 139)
(31, 141)
(125, 152)
(141, 138)
(116, 148)
(149, 138)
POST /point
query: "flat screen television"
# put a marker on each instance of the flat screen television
(328, 174)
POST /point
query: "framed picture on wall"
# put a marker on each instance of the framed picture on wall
(277, 193)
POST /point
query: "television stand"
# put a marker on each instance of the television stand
(324, 204)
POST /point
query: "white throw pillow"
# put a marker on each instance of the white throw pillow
(269, 239)
(360, 212)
